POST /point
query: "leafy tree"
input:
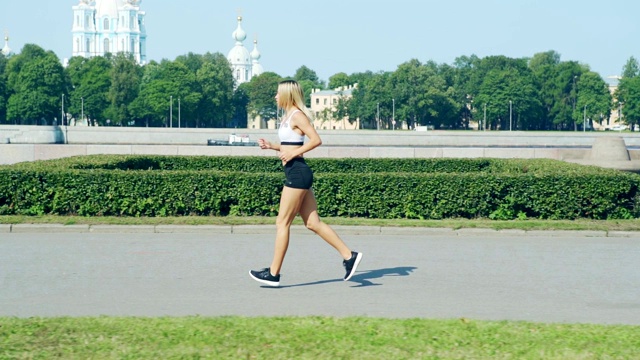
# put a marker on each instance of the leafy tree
(125, 85)
(339, 79)
(508, 89)
(215, 80)
(594, 99)
(304, 73)
(170, 87)
(544, 65)
(629, 96)
(36, 84)
(308, 80)
(240, 102)
(631, 68)
(374, 92)
(3, 89)
(90, 82)
(261, 91)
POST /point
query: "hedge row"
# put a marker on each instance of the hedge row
(461, 188)
(272, 164)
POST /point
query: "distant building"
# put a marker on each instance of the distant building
(245, 64)
(109, 26)
(6, 50)
(323, 105)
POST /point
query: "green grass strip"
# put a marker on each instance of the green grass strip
(533, 224)
(309, 338)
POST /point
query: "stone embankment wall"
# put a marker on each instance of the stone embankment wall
(30, 143)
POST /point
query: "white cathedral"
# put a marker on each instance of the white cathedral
(114, 26)
(109, 26)
(245, 65)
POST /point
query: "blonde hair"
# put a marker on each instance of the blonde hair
(290, 95)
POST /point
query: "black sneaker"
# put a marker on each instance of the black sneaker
(264, 276)
(351, 264)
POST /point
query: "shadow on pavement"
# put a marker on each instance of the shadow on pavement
(364, 278)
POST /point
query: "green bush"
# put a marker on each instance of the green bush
(373, 188)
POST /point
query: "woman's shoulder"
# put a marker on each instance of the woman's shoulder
(297, 116)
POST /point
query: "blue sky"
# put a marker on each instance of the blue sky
(331, 36)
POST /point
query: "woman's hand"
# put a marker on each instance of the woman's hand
(264, 144)
(286, 156)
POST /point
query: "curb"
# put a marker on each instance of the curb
(301, 229)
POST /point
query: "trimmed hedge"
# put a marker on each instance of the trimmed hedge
(374, 188)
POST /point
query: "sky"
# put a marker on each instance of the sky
(351, 36)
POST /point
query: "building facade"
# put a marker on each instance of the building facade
(109, 26)
(323, 106)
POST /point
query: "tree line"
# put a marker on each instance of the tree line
(198, 90)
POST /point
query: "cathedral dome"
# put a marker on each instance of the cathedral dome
(108, 8)
(239, 55)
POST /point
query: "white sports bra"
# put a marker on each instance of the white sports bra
(287, 135)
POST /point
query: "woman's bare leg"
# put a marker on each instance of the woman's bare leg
(290, 202)
(309, 214)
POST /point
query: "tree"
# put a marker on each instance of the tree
(125, 85)
(594, 99)
(170, 89)
(308, 81)
(37, 85)
(3, 89)
(508, 91)
(374, 92)
(630, 99)
(261, 91)
(215, 80)
(240, 103)
(90, 82)
(339, 79)
(304, 73)
(631, 68)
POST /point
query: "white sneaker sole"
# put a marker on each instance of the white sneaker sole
(268, 283)
(355, 266)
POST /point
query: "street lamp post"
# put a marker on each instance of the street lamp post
(171, 111)
(378, 118)
(178, 113)
(584, 119)
(484, 120)
(393, 113)
(510, 111)
(575, 95)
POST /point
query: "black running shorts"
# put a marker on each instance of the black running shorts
(298, 174)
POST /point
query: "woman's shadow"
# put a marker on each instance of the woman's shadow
(365, 278)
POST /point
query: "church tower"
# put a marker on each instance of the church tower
(239, 56)
(6, 50)
(109, 26)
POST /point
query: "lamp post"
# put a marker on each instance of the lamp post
(484, 121)
(575, 95)
(82, 111)
(171, 111)
(66, 130)
(178, 113)
(378, 118)
(510, 111)
(584, 119)
(393, 113)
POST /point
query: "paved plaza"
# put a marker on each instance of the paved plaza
(537, 276)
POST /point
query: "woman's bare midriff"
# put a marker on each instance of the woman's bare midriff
(290, 147)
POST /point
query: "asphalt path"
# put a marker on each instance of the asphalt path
(567, 279)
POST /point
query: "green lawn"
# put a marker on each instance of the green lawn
(309, 338)
(314, 337)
